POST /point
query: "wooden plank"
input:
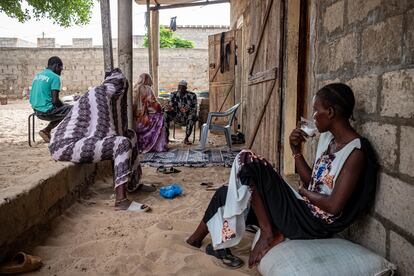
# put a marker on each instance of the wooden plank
(263, 76)
(227, 95)
(257, 45)
(262, 112)
(155, 53)
(148, 23)
(215, 73)
(291, 84)
(221, 84)
(263, 99)
(186, 5)
(214, 50)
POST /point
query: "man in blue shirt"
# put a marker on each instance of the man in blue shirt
(44, 96)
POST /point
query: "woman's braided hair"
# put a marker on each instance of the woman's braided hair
(340, 97)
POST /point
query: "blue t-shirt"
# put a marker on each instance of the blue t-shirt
(41, 93)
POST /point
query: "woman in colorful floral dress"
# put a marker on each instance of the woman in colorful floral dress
(149, 118)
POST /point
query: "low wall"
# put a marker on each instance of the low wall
(83, 68)
(23, 216)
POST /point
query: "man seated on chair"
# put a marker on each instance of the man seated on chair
(44, 97)
(182, 108)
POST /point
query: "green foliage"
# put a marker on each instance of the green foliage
(169, 40)
(63, 12)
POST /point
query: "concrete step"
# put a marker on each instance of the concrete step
(24, 214)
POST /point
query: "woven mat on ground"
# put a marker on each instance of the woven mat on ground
(189, 158)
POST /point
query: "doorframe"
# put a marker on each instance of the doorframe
(239, 81)
(294, 79)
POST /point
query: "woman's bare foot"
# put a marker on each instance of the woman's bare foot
(193, 242)
(263, 245)
(196, 239)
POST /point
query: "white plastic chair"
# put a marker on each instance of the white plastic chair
(209, 125)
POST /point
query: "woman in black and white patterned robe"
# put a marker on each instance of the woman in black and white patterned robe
(96, 129)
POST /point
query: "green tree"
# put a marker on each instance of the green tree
(169, 40)
(63, 12)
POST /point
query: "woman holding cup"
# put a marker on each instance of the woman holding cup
(339, 186)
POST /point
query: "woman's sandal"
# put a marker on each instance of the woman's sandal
(225, 256)
(133, 207)
(146, 188)
(21, 263)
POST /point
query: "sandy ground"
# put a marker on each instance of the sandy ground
(13, 122)
(91, 238)
(19, 163)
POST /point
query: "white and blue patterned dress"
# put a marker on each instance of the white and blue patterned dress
(96, 130)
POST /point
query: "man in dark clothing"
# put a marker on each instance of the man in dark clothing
(182, 108)
(44, 96)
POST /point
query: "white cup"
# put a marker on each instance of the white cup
(308, 127)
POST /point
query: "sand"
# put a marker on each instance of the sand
(21, 165)
(13, 122)
(91, 238)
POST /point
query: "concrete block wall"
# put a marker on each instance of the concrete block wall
(83, 68)
(199, 34)
(369, 44)
(15, 42)
(8, 42)
(46, 42)
(82, 42)
(138, 41)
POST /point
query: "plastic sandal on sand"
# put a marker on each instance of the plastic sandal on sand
(167, 170)
(147, 188)
(225, 256)
(135, 207)
(21, 263)
(210, 186)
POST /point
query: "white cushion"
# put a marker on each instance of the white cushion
(323, 257)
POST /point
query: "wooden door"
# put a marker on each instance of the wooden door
(221, 56)
(264, 20)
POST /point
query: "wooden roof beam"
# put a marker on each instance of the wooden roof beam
(185, 5)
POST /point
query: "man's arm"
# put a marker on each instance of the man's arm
(55, 88)
(174, 102)
(193, 105)
(55, 99)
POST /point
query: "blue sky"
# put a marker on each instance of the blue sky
(31, 30)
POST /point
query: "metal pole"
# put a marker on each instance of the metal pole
(125, 48)
(149, 38)
(106, 36)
